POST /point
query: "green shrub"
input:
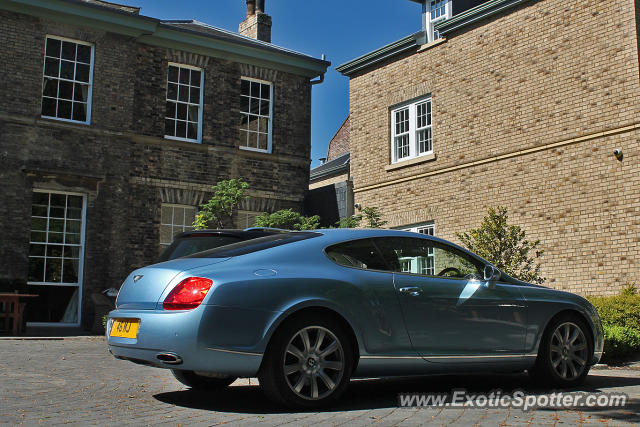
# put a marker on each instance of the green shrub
(620, 342)
(287, 219)
(620, 315)
(619, 310)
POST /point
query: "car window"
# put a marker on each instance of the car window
(428, 258)
(357, 253)
(191, 245)
(255, 245)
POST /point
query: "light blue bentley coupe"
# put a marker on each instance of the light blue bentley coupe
(307, 311)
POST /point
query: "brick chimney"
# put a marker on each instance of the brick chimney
(258, 24)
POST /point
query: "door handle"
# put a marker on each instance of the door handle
(414, 291)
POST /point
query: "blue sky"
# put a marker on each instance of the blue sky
(341, 29)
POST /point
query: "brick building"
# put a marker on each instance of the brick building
(519, 103)
(115, 125)
(330, 186)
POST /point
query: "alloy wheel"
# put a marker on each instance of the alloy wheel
(314, 363)
(568, 351)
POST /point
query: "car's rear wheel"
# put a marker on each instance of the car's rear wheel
(201, 382)
(308, 363)
(564, 353)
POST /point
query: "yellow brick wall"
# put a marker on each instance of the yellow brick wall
(550, 72)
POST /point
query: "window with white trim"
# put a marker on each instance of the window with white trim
(256, 113)
(183, 118)
(56, 251)
(411, 131)
(434, 12)
(420, 265)
(175, 219)
(247, 219)
(67, 80)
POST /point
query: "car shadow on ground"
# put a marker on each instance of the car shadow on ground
(383, 393)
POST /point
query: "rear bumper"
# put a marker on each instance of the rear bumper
(191, 336)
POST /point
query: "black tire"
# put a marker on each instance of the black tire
(325, 363)
(559, 361)
(200, 382)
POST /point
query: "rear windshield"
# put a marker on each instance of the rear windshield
(190, 245)
(255, 245)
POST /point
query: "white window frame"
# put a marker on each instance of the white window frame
(80, 284)
(271, 102)
(200, 105)
(418, 267)
(164, 245)
(90, 88)
(244, 218)
(414, 143)
(428, 22)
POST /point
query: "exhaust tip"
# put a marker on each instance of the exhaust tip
(169, 358)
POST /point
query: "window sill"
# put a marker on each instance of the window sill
(411, 162)
(255, 150)
(70, 121)
(175, 138)
(432, 44)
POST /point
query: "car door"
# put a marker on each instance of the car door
(449, 311)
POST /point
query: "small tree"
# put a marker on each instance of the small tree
(287, 219)
(372, 216)
(505, 246)
(219, 210)
(352, 221)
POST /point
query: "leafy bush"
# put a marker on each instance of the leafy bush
(619, 310)
(372, 217)
(287, 219)
(219, 210)
(620, 342)
(505, 246)
(620, 316)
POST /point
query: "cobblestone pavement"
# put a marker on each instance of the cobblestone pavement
(76, 381)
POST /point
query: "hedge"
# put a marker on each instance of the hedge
(620, 315)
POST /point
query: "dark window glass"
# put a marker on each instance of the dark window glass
(191, 245)
(357, 253)
(79, 111)
(82, 73)
(53, 48)
(66, 70)
(69, 51)
(255, 245)
(169, 127)
(65, 90)
(428, 258)
(84, 53)
(64, 109)
(51, 90)
(195, 78)
(51, 67)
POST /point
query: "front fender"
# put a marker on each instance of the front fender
(544, 304)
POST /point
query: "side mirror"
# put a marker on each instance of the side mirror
(491, 275)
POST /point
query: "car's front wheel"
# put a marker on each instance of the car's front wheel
(564, 353)
(308, 364)
(201, 382)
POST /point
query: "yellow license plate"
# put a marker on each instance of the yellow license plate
(125, 328)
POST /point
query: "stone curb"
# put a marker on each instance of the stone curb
(80, 337)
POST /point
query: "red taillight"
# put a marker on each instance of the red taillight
(187, 294)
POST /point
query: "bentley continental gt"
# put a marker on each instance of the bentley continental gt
(307, 311)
